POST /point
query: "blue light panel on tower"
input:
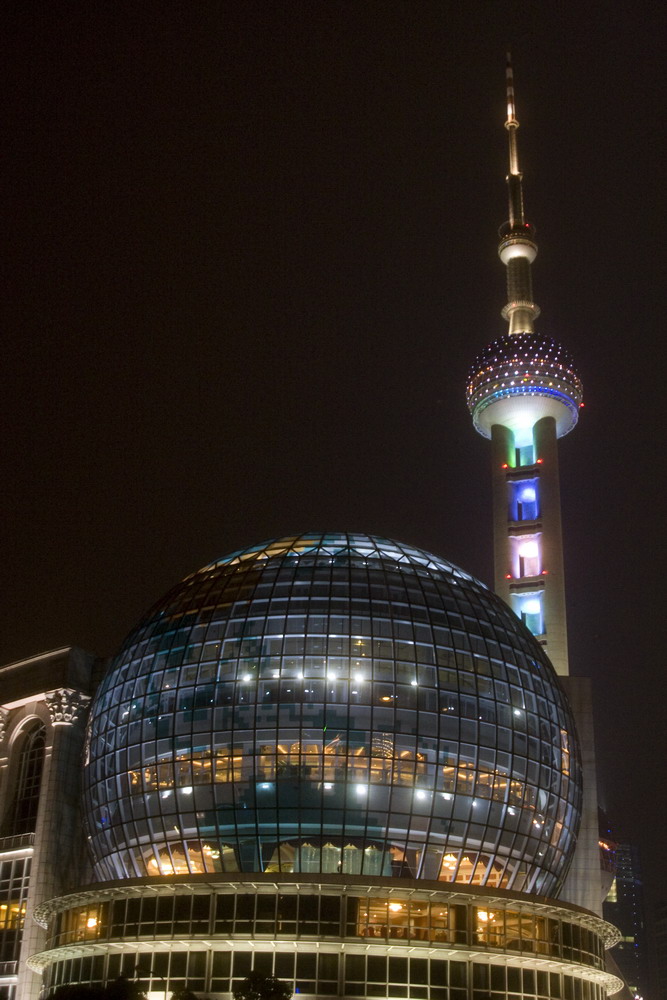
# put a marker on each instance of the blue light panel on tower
(524, 503)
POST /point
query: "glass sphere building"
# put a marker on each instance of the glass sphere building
(333, 703)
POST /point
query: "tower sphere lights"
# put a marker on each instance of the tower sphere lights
(520, 378)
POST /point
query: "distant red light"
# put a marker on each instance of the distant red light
(540, 461)
(504, 466)
(508, 576)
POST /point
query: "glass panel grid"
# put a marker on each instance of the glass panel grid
(333, 703)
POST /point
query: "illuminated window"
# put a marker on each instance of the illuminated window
(14, 879)
(565, 751)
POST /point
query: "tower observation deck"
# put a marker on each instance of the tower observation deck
(524, 393)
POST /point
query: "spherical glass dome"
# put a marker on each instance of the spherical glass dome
(528, 365)
(333, 703)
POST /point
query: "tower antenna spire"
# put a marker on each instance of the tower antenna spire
(512, 123)
(517, 248)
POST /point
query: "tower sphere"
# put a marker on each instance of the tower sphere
(520, 378)
(333, 703)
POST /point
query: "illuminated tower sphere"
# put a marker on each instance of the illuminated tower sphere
(524, 393)
(333, 703)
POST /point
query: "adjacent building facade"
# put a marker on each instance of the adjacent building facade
(42, 846)
(660, 952)
(624, 907)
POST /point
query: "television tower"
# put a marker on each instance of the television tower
(524, 393)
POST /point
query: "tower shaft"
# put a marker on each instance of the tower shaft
(528, 546)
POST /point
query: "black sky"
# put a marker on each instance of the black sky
(250, 252)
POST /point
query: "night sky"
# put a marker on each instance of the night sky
(249, 255)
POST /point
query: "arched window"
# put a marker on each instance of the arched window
(23, 813)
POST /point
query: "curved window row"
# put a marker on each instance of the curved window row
(326, 975)
(377, 764)
(290, 915)
(321, 855)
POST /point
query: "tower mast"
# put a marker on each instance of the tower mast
(524, 393)
(512, 124)
(517, 248)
